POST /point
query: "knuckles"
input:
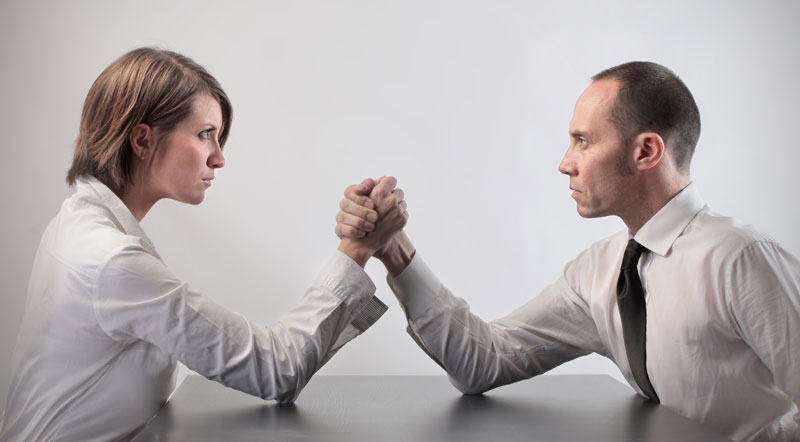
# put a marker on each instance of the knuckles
(386, 200)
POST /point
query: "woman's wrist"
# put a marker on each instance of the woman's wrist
(356, 250)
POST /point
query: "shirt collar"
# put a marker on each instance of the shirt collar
(660, 232)
(122, 215)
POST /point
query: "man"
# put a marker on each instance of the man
(700, 312)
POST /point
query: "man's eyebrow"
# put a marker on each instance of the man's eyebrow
(578, 134)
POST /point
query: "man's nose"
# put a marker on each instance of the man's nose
(567, 166)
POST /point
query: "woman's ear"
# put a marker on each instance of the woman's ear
(143, 141)
(649, 150)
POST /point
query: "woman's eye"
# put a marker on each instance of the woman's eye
(206, 134)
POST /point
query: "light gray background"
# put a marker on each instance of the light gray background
(466, 102)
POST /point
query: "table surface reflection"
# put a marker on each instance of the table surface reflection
(422, 408)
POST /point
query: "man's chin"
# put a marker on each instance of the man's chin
(589, 213)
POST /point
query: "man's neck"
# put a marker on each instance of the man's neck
(652, 199)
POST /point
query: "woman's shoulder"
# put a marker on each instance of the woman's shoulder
(85, 235)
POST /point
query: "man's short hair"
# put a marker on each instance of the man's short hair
(652, 98)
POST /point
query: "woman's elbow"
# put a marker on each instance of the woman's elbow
(470, 388)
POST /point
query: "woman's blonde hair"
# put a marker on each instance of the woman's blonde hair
(151, 86)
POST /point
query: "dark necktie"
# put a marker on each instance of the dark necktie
(633, 312)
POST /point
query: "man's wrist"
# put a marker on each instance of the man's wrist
(397, 255)
(356, 251)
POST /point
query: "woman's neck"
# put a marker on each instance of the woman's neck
(138, 201)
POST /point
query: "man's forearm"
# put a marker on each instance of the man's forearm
(397, 254)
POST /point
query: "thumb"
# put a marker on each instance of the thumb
(366, 186)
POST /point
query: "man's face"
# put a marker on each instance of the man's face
(599, 166)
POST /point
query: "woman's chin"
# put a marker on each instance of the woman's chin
(192, 199)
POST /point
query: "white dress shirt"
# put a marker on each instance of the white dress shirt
(723, 322)
(106, 320)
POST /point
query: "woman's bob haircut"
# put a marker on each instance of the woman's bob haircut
(151, 86)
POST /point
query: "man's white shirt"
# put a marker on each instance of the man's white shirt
(723, 322)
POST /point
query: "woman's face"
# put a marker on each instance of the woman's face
(184, 166)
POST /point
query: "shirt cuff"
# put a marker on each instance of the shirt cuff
(350, 283)
(416, 287)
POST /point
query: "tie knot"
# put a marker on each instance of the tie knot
(632, 253)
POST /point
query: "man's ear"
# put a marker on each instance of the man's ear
(649, 150)
(143, 141)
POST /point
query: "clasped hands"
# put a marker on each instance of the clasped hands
(370, 223)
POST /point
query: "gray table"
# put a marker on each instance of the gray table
(422, 408)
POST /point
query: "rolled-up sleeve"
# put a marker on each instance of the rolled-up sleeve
(138, 298)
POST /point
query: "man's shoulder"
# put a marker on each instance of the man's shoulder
(718, 242)
(726, 233)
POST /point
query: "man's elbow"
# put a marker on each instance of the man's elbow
(288, 397)
(283, 392)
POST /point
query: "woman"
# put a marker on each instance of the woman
(106, 320)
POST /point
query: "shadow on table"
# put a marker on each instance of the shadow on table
(481, 417)
(421, 409)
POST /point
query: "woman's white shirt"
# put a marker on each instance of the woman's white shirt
(105, 322)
